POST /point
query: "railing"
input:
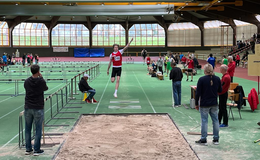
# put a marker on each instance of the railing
(57, 101)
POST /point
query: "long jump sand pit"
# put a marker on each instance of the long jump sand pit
(125, 137)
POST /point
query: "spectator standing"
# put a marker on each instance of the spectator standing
(144, 54)
(36, 58)
(148, 61)
(237, 60)
(207, 91)
(9, 59)
(23, 59)
(184, 60)
(223, 96)
(231, 67)
(211, 60)
(190, 69)
(34, 109)
(176, 77)
(165, 62)
(31, 58)
(160, 64)
(28, 59)
(224, 60)
(181, 55)
(4, 59)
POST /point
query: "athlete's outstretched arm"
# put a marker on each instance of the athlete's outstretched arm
(125, 48)
(109, 65)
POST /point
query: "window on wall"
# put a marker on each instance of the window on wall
(245, 30)
(214, 34)
(4, 33)
(147, 35)
(184, 34)
(108, 34)
(70, 35)
(30, 34)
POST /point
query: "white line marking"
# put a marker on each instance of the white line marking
(145, 93)
(126, 107)
(101, 96)
(22, 105)
(24, 129)
(124, 102)
(7, 89)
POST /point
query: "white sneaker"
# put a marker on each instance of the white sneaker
(115, 95)
(173, 106)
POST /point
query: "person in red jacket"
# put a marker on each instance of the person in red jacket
(116, 59)
(183, 60)
(237, 60)
(223, 96)
(231, 67)
(190, 69)
(148, 61)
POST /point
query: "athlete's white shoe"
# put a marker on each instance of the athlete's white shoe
(115, 95)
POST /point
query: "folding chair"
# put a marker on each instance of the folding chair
(232, 104)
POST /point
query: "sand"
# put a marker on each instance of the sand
(142, 137)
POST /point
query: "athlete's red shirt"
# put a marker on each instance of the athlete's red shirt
(184, 59)
(148, 60)
(191, 64)
(117, 58)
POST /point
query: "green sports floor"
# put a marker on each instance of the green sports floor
(152, 96)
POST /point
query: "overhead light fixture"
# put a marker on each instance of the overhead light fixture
(158, 3)
(162, 15)
(131, 3)
(16, 4)
(139, 17)
(73, 17)
(181, 14)
(219, 1)
(102, 4)
(186, 3)
(45, 4)
(4, 17)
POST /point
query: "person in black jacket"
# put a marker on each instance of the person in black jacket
(34, 109)
(84, 87)
(176, 77)
(24, 57)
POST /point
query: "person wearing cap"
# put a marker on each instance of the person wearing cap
(84, 86)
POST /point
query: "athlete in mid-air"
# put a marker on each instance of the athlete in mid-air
(116, 59)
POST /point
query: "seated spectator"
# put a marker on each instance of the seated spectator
(84, 87)
(154, 66)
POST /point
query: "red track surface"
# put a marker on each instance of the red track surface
(239, 72)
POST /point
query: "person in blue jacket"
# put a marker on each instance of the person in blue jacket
(211, 60)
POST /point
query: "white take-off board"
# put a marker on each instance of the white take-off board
(254, 62)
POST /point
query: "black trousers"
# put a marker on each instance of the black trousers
(161, 70)
(231, 79)
(223, 108)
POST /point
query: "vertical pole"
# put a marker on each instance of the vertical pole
(75, 85)
(66, 93)
(51, 106)
(61, 98)
(43, 135)
(71, 89)
(258, 85)
(57, 98)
